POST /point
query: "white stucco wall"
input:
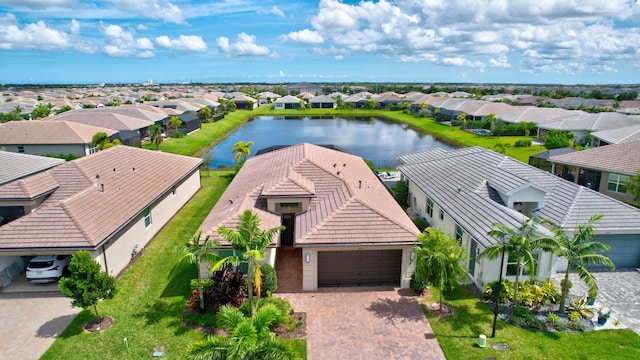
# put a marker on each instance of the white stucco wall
(36, 149)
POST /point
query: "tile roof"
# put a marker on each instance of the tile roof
(617, 135)
(106, 119)
(287, 99)
(622, 158)
(349, 204)
(95, 196)
(462, 181)
(49, 132)
(14, 166)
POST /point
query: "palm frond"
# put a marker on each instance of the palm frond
(229, 317)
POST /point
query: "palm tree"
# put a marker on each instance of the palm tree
(194, 252)
(580, 251)
(175, 122)
(249, 241)
(501, 148)
(155, 134)
(242, 150)
(519, 243)
(438, 258)
(250, 338)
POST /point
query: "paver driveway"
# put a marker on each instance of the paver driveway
(365, 323)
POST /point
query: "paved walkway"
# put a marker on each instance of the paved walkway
(618, 291)
(365, 323)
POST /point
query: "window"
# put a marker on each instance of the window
(459, 233)
(617, 183)
(441, 214)
(290, 205)
(512, 266)
(147, 217)
(430, 207)
(20, 149)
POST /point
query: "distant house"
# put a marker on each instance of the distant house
(359, 100)
(287, 102)
(468, 190)
(267, 97)
(41, 137)
(343, 227)
(322, 102)
(244, 102)
(111, 204)
(541, 160)
(615, 136)
(388, 100)
(605, 169)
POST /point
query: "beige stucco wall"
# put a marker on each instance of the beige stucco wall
(310, 269)
(36, 149)
(604, 182)
(119, 250)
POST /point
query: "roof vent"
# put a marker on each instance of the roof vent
(230, 202)
(101, 187)
(338, 173)
(98, 176)
(334, 165)
(114, 169)
(343, 165)
(133, 169)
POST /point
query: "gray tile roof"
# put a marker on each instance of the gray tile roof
(622, 158)
(462, 181)
(14, 166)
(104, 119)
(617, 135)
(349, 204)
(80, 213)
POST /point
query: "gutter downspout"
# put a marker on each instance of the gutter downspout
(104, 256)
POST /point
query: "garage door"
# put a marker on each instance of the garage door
(625, 249)
(359, 268)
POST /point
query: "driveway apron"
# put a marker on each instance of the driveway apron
(365, 323)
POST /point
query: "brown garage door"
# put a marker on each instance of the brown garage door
(359, 268)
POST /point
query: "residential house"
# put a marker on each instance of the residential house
(359, 100)
(466, 191)
(605, 169)
(323, 102)
(111, 204)
(389, 100)
(615, 136)
(287, 102)
(342, 224)
(267, 97)
(40, 137)
(541, 160)
(244, 102)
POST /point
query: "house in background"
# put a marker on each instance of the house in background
(322, 102)
(39, 137)
(541, 160)
(244, 102)
(615, 136)
(605, 169)
(287, 102)
(343, 227)
(111, 204)
(468, 190)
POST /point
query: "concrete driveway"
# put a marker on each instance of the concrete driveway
(365, 323)
(32, 317)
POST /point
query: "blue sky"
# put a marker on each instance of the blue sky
(497, 41)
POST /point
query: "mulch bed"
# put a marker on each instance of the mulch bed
(98, 324)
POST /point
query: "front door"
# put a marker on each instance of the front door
(286, 236)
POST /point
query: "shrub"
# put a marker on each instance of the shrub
(491, 291)
(534, 293)
(207, 284)
(269, 280)
(421, 224)
(177, 135)
(576, 326)
(574, 316)
(561, 325)
(523, 143)
(521, 311)
(227, 288)
(419, 286)
(553, 318)
(282, 305)
(580, 305)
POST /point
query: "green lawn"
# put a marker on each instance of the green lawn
(458, 336)
(149, 305)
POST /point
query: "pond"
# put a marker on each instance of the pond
(371, 138)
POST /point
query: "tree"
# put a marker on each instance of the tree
(519, 244)
(194, 253)
(438, 258)
(205, 113)
(175, 122)
(99, 140)
(64, 108)
(558, 139)
(155, 134)
(579, 251)
(501, 148)
(633, 187)
(87, 284)
(207, 158)
(250, 338)
(491, 119)
(462, 117)
(249, 242)
(42, 111)
(242, 150)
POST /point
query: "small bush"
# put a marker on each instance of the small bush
(580, 305)
(491, 291)
(269, 280)
(177, 135)
(207, 284)
(523, 312)
(574, 316)
(553, 318)
(561, 325)
(576, 326)
(419, 286)
(523, 143)
(421, 224)
(227, 288)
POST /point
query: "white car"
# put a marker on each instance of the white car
(47, 268)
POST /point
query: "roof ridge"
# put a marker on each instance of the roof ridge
(574, 201)
(363, 203)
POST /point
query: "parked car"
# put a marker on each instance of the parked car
(47, 268)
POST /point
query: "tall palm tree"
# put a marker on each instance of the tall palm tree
(580, 251)
(194, 252)
(250, 338)
(438, 258)
(155, 134)
(249, 241)
(519, 243)
(242, 150)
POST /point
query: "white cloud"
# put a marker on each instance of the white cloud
(154, 9)
(577, 35)
(37, 36)
(182, 43)
(305, 36)
(41, 3)
(123, 43)
(275, 10)
(245, 45)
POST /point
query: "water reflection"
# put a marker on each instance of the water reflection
(369, 137)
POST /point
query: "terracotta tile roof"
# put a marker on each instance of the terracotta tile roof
(622, 158)
(350, 205)
(96, 195)
(49, 132)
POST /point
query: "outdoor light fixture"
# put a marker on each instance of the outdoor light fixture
(307, 258)
(412, 255)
